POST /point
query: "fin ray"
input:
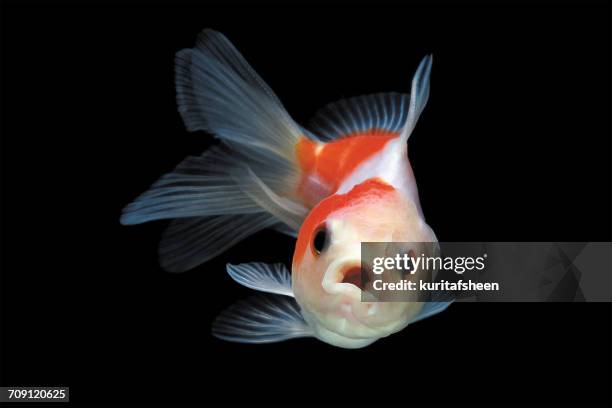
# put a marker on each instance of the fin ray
(261, 319)
(366, 113)
(197, 187)
(285, 209)
(388, 112)
(419, 95)
(218, 92)
(189, 242)
(271, 278)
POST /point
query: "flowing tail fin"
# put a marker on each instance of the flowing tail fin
(237, 188)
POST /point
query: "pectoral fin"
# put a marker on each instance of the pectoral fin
(261, 319)
(271, 278)
(430, 309)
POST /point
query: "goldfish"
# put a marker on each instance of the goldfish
(343, 179)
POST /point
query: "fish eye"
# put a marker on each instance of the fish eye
(321, 240)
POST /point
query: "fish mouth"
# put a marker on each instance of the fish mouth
(344, 276)
(352, 275)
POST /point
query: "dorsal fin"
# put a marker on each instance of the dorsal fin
(376, 113)
(419, 94)
(384, 112)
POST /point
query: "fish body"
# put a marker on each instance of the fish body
(342, 180)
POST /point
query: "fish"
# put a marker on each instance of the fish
(343, 179)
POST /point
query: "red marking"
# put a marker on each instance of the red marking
(336, 160)
(371, 187)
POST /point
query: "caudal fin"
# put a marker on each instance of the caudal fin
(217, 91)
(237, 188)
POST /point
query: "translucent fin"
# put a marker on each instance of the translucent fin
(429, 309)
(271, 278)
(286, 210)
(218, 92)
(261, 319)
(382, 112)
(390, 112)
(235, 189)
(419, 94)
(189, 242)
(198, 187)
(285, 229)
(216, 204)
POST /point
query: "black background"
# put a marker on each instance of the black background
(514, 145)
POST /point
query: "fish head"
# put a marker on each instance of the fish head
(326, 270)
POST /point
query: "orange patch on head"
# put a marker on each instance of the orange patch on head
(320, 213)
